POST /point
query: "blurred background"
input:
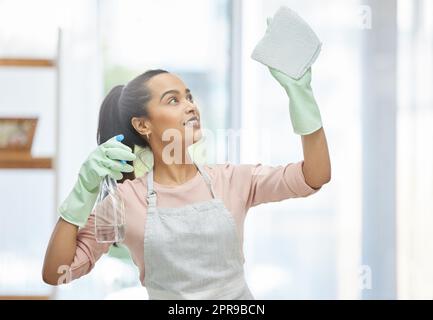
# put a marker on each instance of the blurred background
(366, 235)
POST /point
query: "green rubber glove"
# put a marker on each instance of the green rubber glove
(304, 112)
(144, 161)
(103, 161)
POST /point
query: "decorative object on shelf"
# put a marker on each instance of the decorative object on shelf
(16, 135)
(16, 140)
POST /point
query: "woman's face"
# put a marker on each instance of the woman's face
(173, 107)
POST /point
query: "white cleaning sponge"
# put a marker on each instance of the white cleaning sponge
(289, 45)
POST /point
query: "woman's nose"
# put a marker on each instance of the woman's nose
(190, 106)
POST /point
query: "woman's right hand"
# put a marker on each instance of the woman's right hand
(109, 158)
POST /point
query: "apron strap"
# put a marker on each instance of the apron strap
(151, 194)
(206, 178)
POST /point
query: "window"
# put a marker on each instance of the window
(306, 248)
(188, 38)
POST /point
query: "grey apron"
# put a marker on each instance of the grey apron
(192, 252)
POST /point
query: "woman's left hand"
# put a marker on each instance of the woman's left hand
(304, 111)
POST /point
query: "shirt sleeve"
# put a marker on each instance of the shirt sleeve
(258, 183)
(88, 250)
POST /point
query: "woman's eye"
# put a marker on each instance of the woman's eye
(189, 97)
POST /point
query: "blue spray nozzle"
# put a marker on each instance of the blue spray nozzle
(120, 137)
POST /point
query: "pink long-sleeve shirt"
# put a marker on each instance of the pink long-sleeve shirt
(239, 186)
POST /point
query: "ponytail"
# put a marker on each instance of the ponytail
(109, 122)
(121, 104)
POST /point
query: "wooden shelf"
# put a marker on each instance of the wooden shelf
(23, 163)
(22, 62)
(20, 161)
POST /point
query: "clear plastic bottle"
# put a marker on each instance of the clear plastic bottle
(109, 213)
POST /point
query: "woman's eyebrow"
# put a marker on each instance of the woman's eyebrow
(173, 91)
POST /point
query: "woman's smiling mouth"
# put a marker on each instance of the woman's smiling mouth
(192, 122)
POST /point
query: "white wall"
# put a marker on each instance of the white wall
(29, 29)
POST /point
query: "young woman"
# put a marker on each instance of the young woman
(184, 221)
